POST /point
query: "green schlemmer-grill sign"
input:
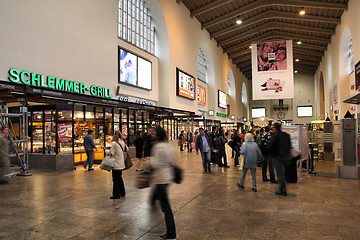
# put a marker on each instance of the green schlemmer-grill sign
(39, 80)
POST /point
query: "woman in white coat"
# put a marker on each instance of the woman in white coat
(117, 147)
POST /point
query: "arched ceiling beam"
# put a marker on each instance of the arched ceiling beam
(208, 7)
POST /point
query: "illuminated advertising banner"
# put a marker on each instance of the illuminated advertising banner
(272, 70)
(201, 95)
(185, 84)
(65, 132)
(222, 99)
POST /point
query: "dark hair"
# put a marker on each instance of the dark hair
(201, 128)
(117, 136)
(90, 131)
(221, 131)
(213, 128)
(160, 134)
(267, 129)
(138, 134)
(277, 126)
(262, 130)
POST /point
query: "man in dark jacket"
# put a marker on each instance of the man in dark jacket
(220, 147)
(264, 146)
(189, 140)
(280, 150)
(89, 146)
(204, 143)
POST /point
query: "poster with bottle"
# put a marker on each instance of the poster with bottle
(65, 132)
(124, 131)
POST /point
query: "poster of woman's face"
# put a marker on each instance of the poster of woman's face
(271, 56)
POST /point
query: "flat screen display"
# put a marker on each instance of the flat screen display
(185, 85)
(304, 111)
(258, 112)
(135, 70)
(222, 99)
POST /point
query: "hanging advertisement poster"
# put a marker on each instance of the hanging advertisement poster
(357, 76)
(124, 131)
(65, 132)
(272, 70)
(185, 84)
(201, 95)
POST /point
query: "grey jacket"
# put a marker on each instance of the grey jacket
(89, 143)
(161, 163)
(251, 153)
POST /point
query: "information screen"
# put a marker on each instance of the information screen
(258, 112)
(222, 99)
(304, 111)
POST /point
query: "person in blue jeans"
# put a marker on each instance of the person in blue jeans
(89, 146)
(204, 143)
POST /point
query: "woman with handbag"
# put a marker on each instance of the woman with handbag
(252, 154)
(116, 150)
(163, 174)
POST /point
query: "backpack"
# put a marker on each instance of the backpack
(264, 144)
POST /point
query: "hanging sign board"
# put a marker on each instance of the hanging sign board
(65, 132)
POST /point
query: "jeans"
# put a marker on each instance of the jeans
(205, 156)
(90, 158)
(268, 161)
(118, 184)
(280, 172)
(189, 146)
(253, 175)
(160, 193)
(222, 154)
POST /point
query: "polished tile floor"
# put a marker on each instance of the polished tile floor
(76, 205)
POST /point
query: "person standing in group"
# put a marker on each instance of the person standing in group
(267, 159)
(89, 146)
(238, 141)
(181, 140)
(259, 134)
(252, 154)
(203, 142)
(139, 145)
(149, 142)
(280, 146)
(189, 140)
(117, 151)
(220, 147)
(4, 154)
(162, 175)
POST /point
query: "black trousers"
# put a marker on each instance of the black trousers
(160, 193)
(280, 172)
(268, 161)
(222, 154)
(118, 184)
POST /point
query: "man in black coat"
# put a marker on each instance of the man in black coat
(280, 150)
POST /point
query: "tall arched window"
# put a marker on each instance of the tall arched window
(230, 80)
(135, 25)
(347, 52)
(201, 66)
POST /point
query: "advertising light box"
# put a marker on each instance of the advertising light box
(304, 111)
(201, 95)
(185, 84)
(258, 112)
(222, 99)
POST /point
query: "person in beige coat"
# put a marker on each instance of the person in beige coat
(117, 147)
(163, 174)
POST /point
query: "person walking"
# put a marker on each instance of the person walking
(189, 140)
(117, 151)
(204, 144)
(252, 154)
(280, 146)
(149, 142)
(220, 147)
(182, 140)
(89, 146)
(163, 174)
(4, 154)
(267, 159)
(139, 146)
(238, 141)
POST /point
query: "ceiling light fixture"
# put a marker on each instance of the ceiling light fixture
(238, 21)
(298, 42)
(302, 11)
(297, 60)
(296, 71)
(250, 47)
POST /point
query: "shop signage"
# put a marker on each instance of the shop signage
(239, 118)
(136, 100)
(65, 132)
(232, 117)
(336, 112)
(211, 113)
(201, 95)
(124, 131)
(221, 115)
(39, 80)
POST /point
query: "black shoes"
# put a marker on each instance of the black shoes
(226, 166)
(114, 197)
(281, 193)
(266, 180)
(240, 186)
(254, 190)
(90, 169)
(166, 236)
(274, 181)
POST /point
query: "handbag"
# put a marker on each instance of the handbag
(143, 180)
(127, 157)
(178, 174)
(107, 163)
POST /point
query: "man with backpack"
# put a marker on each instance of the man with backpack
(264, 146)
(220, 147)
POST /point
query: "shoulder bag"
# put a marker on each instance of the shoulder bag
(127, 157)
